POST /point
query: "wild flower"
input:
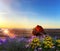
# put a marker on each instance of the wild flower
(58, 42)
(48, 42)
(35, 43)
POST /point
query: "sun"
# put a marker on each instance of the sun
(6, 32)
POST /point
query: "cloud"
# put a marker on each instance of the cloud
(9, 15)
(4, 8)
(6, 1)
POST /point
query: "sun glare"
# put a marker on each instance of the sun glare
(8, 33)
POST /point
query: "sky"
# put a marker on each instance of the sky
(29, 13)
